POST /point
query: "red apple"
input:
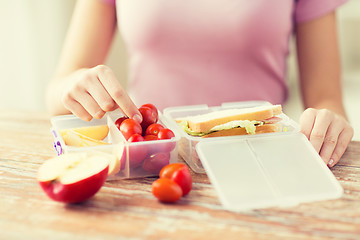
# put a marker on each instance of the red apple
(74, 177)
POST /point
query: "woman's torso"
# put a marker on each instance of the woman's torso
(206, 51)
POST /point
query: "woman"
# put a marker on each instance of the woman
(193, 52)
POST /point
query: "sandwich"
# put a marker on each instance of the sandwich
(229, 122)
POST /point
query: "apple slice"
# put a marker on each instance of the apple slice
(94, 132)
(72, 138)
(74, 177)
(117, 161)
(91, 142)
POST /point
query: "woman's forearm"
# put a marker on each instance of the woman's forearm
(55, 92)
(319, 64)
(86, 45)
(324, 121)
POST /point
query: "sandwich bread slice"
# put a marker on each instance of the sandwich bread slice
(254, 120)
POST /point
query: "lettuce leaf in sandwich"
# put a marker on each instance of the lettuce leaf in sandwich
(250, 127)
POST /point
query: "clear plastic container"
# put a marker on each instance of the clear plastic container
(188, 143)
(257, 171)
(267, 171)
(137, 159)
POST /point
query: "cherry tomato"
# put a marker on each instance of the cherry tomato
(168, 171)
(152, 148)
(163, 146)
(179, 173)
(137, 154)
(184, 179)
(150, 137)
(149, 117)
(165, 134)
(166, 190)
(153, 108)
(119, 121)
(130, 127)
(167, 146)
(154, 129)
(155, 162)
(136, 138)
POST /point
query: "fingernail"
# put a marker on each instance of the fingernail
(331, 162)
(137, 118)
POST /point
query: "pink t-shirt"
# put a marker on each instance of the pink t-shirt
(210, 51)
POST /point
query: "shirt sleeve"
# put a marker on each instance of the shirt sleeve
(306, 10)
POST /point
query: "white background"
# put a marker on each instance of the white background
(32, 33)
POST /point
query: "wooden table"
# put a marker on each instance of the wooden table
(127, 210)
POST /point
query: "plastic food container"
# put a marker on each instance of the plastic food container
(137, 159)
(257, 171)
(187, 143)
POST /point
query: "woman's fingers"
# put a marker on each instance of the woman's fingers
(96, 91)
(343, 141)
(90, 105)
(307, 121)
(321, 124)
(117, 93)
(79, 93)
(77, 109)
(319, 132)
(101, 96)
(329, 133)
(330, 141)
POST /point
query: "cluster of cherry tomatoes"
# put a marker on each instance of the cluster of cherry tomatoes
(149, 129)
(175, 181)
(152, 157)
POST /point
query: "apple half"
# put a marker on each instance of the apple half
(74, 177)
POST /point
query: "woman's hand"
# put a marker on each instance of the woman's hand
(90, 93)
(328, 132)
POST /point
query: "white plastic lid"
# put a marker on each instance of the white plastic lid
(266, 171)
